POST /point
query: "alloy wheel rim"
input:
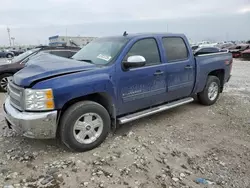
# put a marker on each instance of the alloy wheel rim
(88, 128)
(4, 83)
(213, 90)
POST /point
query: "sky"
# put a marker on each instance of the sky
(33, 21)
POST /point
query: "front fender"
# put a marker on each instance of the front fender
(68, 87)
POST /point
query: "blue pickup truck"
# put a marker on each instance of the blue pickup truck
(111, 81)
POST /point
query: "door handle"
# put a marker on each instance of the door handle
(188, 67)
(158, 73)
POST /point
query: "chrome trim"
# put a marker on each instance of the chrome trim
(213, 54)
(16, 93)
(41, 125)
(13, 94)
(154, 110)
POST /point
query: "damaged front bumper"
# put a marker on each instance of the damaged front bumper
(39, 125)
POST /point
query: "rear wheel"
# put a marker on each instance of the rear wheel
(211, 92)
(84, 126)
(4, 82)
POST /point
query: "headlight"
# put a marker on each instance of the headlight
(39, 99)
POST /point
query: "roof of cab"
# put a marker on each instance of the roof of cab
(142, 35)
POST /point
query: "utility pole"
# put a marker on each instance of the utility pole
(67, 36)
(13, 41)
(8, 30)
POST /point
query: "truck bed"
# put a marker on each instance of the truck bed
(207, 63)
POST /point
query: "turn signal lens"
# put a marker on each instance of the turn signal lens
(50, 104)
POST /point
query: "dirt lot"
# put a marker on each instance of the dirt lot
(3, 60)
(170, 149)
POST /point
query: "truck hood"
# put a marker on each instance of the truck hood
(47, 66)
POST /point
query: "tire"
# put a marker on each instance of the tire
(205, 97)
(4, 82)
(9, 56)
(80, 112)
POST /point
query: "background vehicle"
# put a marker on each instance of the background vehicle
(17, 52)
(237, 49)
(246, 54)
(208, 50)
(18, 62)
(6, 54)
(207, 44)
(111, 80)
(194, 47)
(225, 45)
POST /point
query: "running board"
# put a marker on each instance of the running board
(154, 110)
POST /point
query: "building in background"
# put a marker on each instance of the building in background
(69, 41)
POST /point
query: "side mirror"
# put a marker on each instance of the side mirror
(134, 61)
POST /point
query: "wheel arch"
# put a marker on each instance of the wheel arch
(219, 73)
(101, 98)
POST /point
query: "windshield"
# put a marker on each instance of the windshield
(101, 51)
(24, 55)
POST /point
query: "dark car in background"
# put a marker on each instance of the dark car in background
(6, 54)
(194, 47)
(237, 49)
(208, 50)
(246, 54)
(18, 62)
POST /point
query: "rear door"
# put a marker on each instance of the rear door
(180, 68)
(142, 87)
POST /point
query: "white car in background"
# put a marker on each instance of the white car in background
(207, 44)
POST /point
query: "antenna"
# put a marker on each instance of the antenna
(125, 33)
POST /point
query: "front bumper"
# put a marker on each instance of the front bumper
(40, 125)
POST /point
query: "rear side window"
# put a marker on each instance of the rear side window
(146, 48)
(175, 48)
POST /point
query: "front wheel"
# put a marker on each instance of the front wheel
(84, 126)
(211, 92)
(9, 55)
(4, 82)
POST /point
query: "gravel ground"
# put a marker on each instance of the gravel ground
(170, 149)
(3, 60)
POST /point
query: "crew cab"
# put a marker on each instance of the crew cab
(111, 81)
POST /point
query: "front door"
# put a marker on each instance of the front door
(180, 68)
(139, 87)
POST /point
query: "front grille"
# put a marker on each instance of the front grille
(15, 92)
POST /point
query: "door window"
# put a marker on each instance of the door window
(146, 48)
(175, 48)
